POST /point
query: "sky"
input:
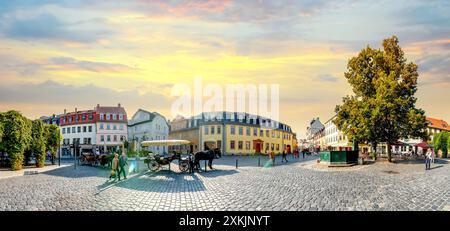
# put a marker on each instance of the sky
(66, 54)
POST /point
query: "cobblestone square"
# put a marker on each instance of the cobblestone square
(297, 185)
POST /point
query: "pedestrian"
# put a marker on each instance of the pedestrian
(303, 153)
(122, 164)
(114, 166)
(433, 155)
(283, 155)
(428, 160)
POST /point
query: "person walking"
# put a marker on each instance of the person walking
(283, 155)
(122, 164)
(428, 160)
(114, 166)
(303, 153)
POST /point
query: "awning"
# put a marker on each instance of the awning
(400, 143)
(423, 145)
(164, 142)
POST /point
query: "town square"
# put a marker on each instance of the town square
(199, 105)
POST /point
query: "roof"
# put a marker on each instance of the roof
(111, 110)
(152, 116)
(438, 123)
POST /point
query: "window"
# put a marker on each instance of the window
(79, 129)
(247, 145)
(102, 138)
(219, 144)
(63, 131)
(232, 144)
(272, 147)
(115, 138)
(70, 119)
(108, 138)
(213, 128)
(102, 117)
(278, 147)
(232, 130)
(90, 128)
(84, 128)
(273, 134)
(108, 127)
(83, 117)
(219, 129)
(255, 131)
(248, 132)
(108, 116)
(278, 134)
(90, 116)
(241, 131)
(120, 117)
(114, 127)
(267, 146)
(267, 133)
(240, 144)
(76, 118)
(114, 117)
(73, 129)
(101, 126)
(206, 130)
(261, 133)
(121, 127)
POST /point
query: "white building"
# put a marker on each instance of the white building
(78, 128)
(334, 138)
(145, 125)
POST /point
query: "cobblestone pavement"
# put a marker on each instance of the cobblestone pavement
(296, 185)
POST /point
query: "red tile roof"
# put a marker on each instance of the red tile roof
(438, 123)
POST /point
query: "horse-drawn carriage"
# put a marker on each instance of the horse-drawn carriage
(186, 163)
(87, 158)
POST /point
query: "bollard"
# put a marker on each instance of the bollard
(205, 166)
(236, 163)
(259, 161)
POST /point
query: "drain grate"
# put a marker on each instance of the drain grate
(391, 172)
(30, 173)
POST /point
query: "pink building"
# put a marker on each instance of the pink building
(111, 126)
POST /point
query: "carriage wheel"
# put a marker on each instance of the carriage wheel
(153, 166)
(184, 166)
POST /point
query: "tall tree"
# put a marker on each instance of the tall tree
(38, 143)
(16, 137)
(382, 108)
(53, 140)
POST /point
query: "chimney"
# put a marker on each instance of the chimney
(76, 110)
(65, 111)
(118, 105)
(98, 105)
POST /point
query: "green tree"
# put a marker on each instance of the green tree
(448, 145)
(382, 108)
(440, 142)
(53, 139)
(38, 143)
(16, 137)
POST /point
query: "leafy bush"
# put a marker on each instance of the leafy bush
(441, 142)
(38, 142)
(16, 137)
(132, 154)
(144, 153)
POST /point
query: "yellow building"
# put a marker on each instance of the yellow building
(240, 133)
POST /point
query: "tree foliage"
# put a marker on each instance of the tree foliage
(53, 139)
(441, 142)
(382, 108)
(38, 143)
(16, 137)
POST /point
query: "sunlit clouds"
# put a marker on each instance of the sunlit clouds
(66, 54)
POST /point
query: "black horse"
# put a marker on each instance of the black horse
(208, 155)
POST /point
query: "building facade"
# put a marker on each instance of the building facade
(145, 125)
(112, 127)
(235, 133)
(335, 140)
(312, 138)
(78, 130)
(102, 129)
